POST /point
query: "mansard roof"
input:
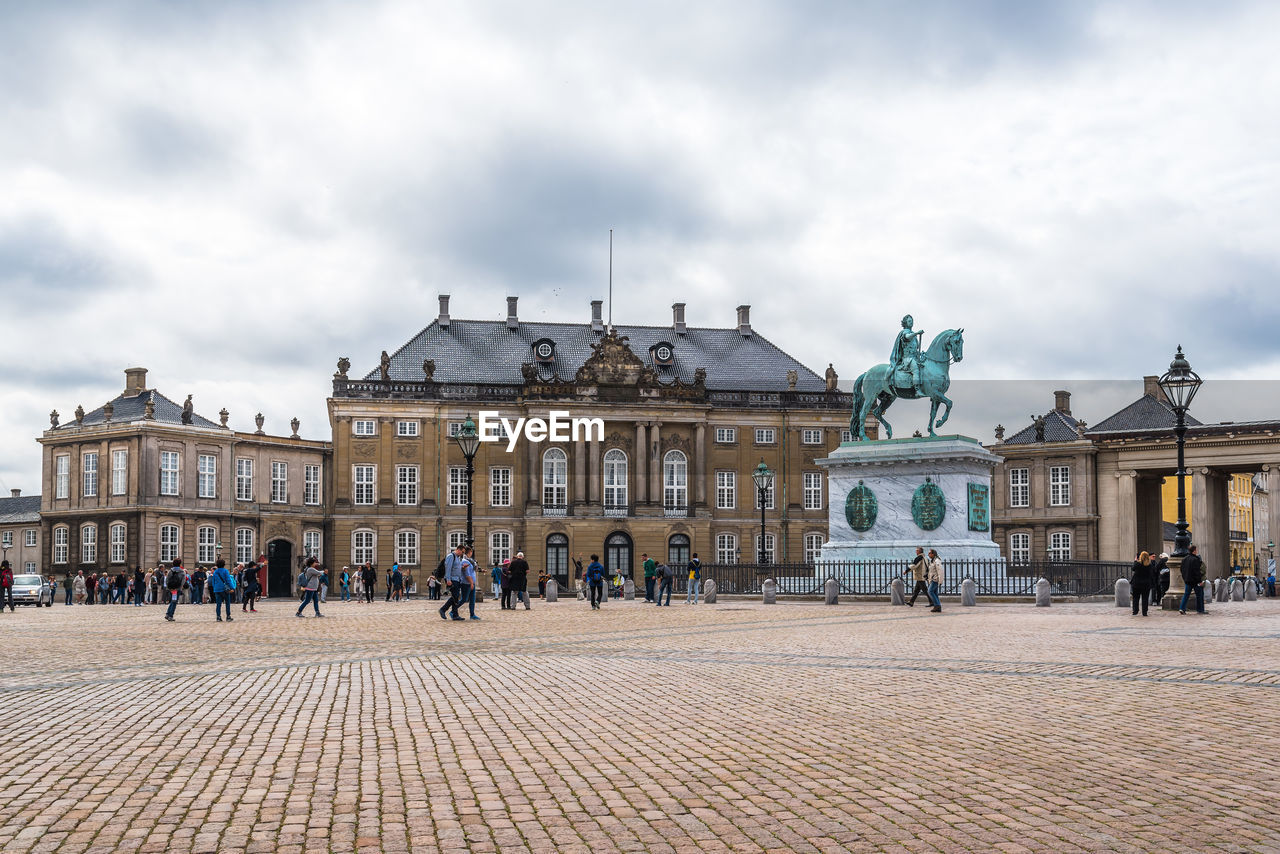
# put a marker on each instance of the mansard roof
(132, 407)
(15, 511)
(1058, 427)
(1147, 414)
(484, 351)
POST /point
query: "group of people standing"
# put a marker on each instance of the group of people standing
(1149, 580)
(150, 587)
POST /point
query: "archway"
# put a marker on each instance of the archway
(280, 568)
(618, 554)
(558, 559)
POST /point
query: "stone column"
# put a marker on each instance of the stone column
(700, 463)
(579, 470)
(655, 464)
(1209, 520)
(641, 468)
(1272, 473)
(1127, 514)
(593, 472)
(1150, 513)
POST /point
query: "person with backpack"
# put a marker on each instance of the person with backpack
(250, 587)
(594, 576)
(344, 581)
(695, 576)
(173, 584)
(1192, 579)
(311, 575)
(495, 576)
(221, 583)
(454, 572)
(396, 583)
(666, 575)
(471, 579)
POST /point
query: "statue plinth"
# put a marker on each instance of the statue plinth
(887, 497)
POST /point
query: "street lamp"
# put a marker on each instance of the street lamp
(763, 478)
(469, 442)
(1180, 385)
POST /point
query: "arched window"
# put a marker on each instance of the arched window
(362, 546)
(118, 553)
(499, 547)
(89, 544)
(407, 547)
(675, 481)
(558, 557)
(206, 544)
(813, 547)
(1060, 546)
(765, 551)
(617, 554)
(727, 548)
(615, 482)
(1020, 549)
(170, 539)
(60, 538)
(678, 552)
(244, 545)
(457, 538)
(311, 541)
(555, 480)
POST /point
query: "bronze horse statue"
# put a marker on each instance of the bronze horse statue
(877, 389)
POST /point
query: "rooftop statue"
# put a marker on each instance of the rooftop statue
(910, 374)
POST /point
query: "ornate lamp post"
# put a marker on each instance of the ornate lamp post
(469, 442)
(1180, 385)
(763, 478)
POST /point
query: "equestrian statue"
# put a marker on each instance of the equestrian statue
(910, 374)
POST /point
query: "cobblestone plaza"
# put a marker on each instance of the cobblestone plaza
(729, 727)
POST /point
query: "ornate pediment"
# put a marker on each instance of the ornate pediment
(612, 363)
(617, 440)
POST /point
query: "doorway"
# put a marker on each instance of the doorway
(280, 568)
(617, 554)
(558, 559)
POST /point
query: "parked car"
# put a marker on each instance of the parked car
(32, 590)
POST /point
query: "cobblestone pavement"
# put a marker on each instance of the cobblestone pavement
(731, 727)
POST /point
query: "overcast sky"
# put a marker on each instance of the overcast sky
(234, 194)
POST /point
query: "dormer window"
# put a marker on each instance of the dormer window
(544, 350)
(663, 353)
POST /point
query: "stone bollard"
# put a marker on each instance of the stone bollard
(629, 590)
(1042, 593)
(1214, 593)
(552, 593)
(582, 591)
(709, 591)
(1123, 599)
(968, 593)
(1224, 590)
(1237, 591)
(832, 591)
(770, 591)
(897, 593)
(1251, 591)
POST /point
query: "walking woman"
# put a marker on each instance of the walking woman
(1141, 582)
(249, 581)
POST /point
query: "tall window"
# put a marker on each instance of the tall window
(244, 479)
(89, 544)
(555, 478)
(500, 487)
(558, 556)
(1019, 488)
(169, 542)
(169, 473)
(89, 475)
(615, 479)
(1060, 545)
(206, 544)
(311, 544)
(675, 481)
(458, 491)
(311, 484)
(244, 545)
(768, 495)
(813, 490)
(1020, 549)
(6, 539)
(117, 543)
(499, 546)
(407, 485)
(207, 476)
(362, 546)
(60, 539)
(407, 547)
(726, 490)
(812, 548)
(31, 538)
(726, 548)
(678, 552)
(1059, 486)
(362, 486)
(768, 548)
(279, 482)
(62, 476)
(119, 472)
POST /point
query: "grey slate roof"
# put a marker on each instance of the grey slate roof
(1146, 414)
(1058, 427)
(486, 351)
(15, 511)
(133, 408)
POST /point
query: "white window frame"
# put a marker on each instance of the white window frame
(407, 547)
(279, 482)
(726, 435)
(118, 534)
(312, 543)
(766, 436)
(170, 473)
(617, 470)
(726, 548)
(61, 544)
(555, 478)
(770, 550)
(812, 483)
(457, 538)
(1020, 548)
(62, 476)
(453, 428)
(364, 427)
(813, 546)
(89, 474)
(31, 538)
(311, 474)
(244, 545)
(120, 471)
(170, 542)
(207, 476)
(407, 486)
(846, 435)
(1059, 486)
(1020, 487)
(364, 546)
(30, 567)
(364, 484)
(811, 436)
(6, 539)
(675, 480)
(768, 494)
(244, 479)
(1060, 546)
(500, 486)
(726, 490)
(499, 546)
(407, 428)
(206, 544)
(457, 486)
(89, 543)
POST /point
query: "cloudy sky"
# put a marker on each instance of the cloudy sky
(234, 194)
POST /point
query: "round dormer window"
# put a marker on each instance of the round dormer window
(544, 350)
(662, 353)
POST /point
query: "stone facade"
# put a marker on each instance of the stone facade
(20, 531)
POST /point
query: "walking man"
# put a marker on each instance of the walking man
(173, 584)
(695, 576)
(370, 577)
(471, 581)
(221, 584)
(595, 580)
(935, 581)
(454, 572)
(312, 574)
(1192, 578)
(650, 575)
(918, 571)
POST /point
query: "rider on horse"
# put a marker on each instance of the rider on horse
(907, 355)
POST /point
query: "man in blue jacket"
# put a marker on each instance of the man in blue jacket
(454, 575)
(595, 579)
(221, 583)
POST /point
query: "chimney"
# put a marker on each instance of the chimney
(1062, 402)
(15, 493)
(744, 320)
(135, 381)
(677, 317)
(443, 319)
(513, 322)
(597, 315)
(1151, 386)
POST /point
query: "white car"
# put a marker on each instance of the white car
(32, 590)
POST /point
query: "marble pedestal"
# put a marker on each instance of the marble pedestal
(895, 471)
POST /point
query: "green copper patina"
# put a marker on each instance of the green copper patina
(979, 507)
(910, 374)
(861, 507)
(928, 505)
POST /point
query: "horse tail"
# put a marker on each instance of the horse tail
(859, 400)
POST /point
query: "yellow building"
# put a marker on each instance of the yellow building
(1239, 515)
